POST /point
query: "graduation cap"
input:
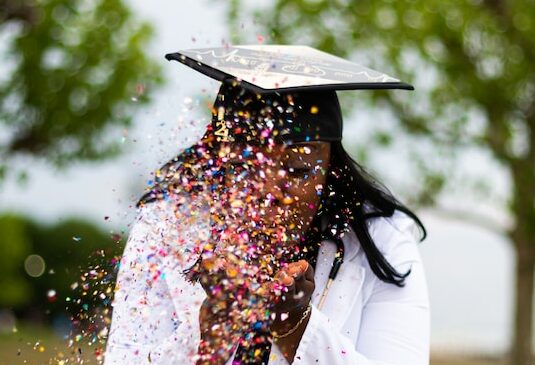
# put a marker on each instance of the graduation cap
(288, 90)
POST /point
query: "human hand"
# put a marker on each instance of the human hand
(293, 296)
(235, 302)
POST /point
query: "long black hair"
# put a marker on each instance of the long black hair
(353, 196)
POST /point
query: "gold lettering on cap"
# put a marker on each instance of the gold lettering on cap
(221, 127)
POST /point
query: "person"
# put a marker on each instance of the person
(266, 243)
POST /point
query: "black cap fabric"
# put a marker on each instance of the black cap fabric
(240, 115)
(283, 93)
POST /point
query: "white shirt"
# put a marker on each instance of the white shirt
(364, 321)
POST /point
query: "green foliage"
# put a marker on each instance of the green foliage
(470, 60)
(70, 250)
(76, 68)
(15, 246)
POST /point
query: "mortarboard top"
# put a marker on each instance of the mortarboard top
(280, 68)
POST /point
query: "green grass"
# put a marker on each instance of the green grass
(39, 345)
(460, 361)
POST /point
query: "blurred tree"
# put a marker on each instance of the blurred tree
(15, 288)
(75, 267)
(473, 64)
(71, 70)
(87, 277)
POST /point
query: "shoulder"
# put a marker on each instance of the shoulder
(180, 209)
(173, 227)
(395, 236)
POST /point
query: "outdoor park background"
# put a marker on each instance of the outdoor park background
(68, 198)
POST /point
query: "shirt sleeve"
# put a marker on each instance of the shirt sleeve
(395, 323)
(147, 325)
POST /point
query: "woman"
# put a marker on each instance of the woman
(233, 249)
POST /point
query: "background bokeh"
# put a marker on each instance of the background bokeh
(89, 109)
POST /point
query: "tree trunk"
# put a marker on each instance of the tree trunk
(523, 237)
(523, 321)
(23, 10)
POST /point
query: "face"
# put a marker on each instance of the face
(276, 190)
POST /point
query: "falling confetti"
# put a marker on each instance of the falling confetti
(254, 232)
(51, 295)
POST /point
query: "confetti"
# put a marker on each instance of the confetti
(259, 192)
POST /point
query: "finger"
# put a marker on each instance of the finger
(289, 286)
(309, 273)
(302, 295)
(279, 274)
(287, 280)
(296, 269)
(299, 279)
(303, 264)
(303, 288)
(292, 269)
(299, 272)
(289, 270)
(308, 288)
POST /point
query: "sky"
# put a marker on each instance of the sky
(469, 270)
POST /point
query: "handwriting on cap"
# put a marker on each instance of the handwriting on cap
(221, 127)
